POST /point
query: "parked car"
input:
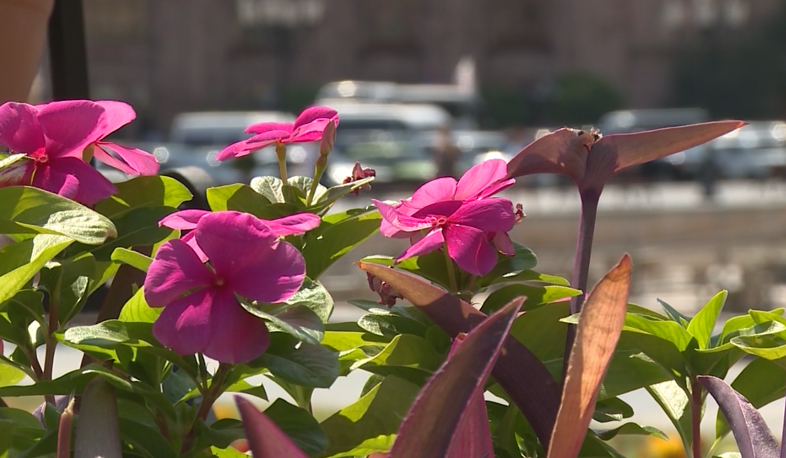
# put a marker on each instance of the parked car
(756, 150)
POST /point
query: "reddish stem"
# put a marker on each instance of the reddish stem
(695, 416)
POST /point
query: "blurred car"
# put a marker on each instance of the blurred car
(473, 144)
(384, 137)
(756, 150)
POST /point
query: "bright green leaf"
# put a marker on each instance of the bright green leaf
(336, 236)
(132, 258)
(703, 323)
(141, 192)
(20, 261)
(299, 362)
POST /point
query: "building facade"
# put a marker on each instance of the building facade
(168, 56)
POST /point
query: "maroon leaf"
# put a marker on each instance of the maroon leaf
(754, 438)
(265, 439)
(599, 329)
(591, 163)
(518, 371)
(434, 420)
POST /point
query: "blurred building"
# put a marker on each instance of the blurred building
(169, 56)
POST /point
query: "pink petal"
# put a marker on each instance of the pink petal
(183, 219)
(488, 215)
(496, 187)
(247, 254)
(185, 324)
(470, 249)
(398, 220)
(430, 242)
(65, 172)
(116, 114)
(132, 161)
(19, 127)
(70, 125)
(236, 149)
(236, 336)
(312, 114)
(503, 244)
(269, 137)
(175, 270)
(264, 127)
(49, 179)
(479, 177)
(434, 191)
(298, 223)
(191, 241)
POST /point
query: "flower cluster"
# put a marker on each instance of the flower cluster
(246, 258)
(58, 137)
(460, 215)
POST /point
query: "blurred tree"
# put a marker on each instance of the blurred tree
(736, 78)
(581, 98)
(296, 97)
(505, 107)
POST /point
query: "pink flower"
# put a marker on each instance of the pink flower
(296, 224)
(308, 127)
(54, 136)
(201, 312)
(479, 182)
(464, 226)
(360, 173)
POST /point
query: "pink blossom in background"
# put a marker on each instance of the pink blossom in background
(54, 136)
(296, 224)
(463, 226)
(308, 127)
(201, 312)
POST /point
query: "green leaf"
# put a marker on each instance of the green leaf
(136, 227)
(508, 266)
(674, 314)
(147, 440)
(299, 362)
(370, 424)
(20, 261)
(612, 409)
(110, 333)
(666, 330)
(676, 405)
(270, 187)
(69, 281)
(10, 375)
(326, 197)
(299, 321)
(542, 332)
(26, 210)
(632, 429)
(388, 323)
(336, 236)
(132, 258)
(314, 295)
(136, 309)
(299, 425)
(536, 295)
(534, 277)
(703, 323)
(142, 192)
(404, 351)
(238, 197)
(228, 452)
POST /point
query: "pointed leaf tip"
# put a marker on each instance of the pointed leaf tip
(433, 421)
(265, 439)
(599, 329)
(754, 438)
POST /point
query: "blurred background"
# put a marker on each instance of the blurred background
(431, 87)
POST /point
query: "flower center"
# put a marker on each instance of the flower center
(39, 156)
(219, 281)
(437, 221)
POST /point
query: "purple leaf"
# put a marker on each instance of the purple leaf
(518, 371)
(433, 421)
(599, 329)
(754, 438)
(265, 439)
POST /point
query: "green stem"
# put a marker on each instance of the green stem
(451, 271)
(695, 417)
(281, 153)
(312, 191)
(208, 399)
